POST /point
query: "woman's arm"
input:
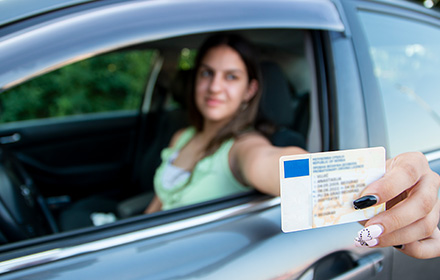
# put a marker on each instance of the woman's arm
(154, 206)
(256, 161)
(409, 187)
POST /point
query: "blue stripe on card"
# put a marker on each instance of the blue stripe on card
(296, 168)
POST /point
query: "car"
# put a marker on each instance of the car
(91, 92)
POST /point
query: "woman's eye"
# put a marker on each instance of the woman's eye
(231, 77)
(205, 73)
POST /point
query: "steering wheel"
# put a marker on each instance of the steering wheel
(23, 210)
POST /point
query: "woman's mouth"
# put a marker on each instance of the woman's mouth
(213, 102)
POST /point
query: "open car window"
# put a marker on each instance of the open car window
(158, 73)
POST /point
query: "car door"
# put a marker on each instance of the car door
(232, 238)
(70, 159)
(396, 46)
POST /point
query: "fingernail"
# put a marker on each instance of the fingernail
(371, 232)
(362, 243)
(365, 201)
(399, 247)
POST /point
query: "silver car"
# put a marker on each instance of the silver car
(91, 91)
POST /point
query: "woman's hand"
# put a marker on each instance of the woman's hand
(410, 189)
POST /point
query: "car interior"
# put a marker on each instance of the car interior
(44, 192)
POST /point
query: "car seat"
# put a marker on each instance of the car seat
(276, 116)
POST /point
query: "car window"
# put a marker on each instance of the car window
(114, 81)
(109, 82)
(406, 58)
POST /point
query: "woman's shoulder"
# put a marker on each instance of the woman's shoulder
(188, 131)
(248, 142)
(251, 137)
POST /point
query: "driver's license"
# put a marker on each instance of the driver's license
(318, 189)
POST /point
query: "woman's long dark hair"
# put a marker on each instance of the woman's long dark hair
(245, 116)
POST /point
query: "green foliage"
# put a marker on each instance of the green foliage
(108, 82)
(187, 59)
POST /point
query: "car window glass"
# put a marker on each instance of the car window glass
(406, 58)
(109, 82)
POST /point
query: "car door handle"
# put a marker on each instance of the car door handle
(341, 265)
(367, 267)
(9, 139)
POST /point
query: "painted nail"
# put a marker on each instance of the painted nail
(371, 232)
(365, 201)
(362, 243)
(399, 247)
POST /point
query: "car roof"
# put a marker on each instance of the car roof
(14, 10)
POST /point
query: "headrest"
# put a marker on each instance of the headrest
(276, 100)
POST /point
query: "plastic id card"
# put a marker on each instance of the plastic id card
(318, 189)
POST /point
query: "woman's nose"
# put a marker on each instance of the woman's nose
(216, 83)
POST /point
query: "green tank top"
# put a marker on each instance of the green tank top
(212, 177)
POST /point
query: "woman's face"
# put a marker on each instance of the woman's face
(222, 85)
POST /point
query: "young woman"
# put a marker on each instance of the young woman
(221, 153)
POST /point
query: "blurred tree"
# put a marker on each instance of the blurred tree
(108, 82)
